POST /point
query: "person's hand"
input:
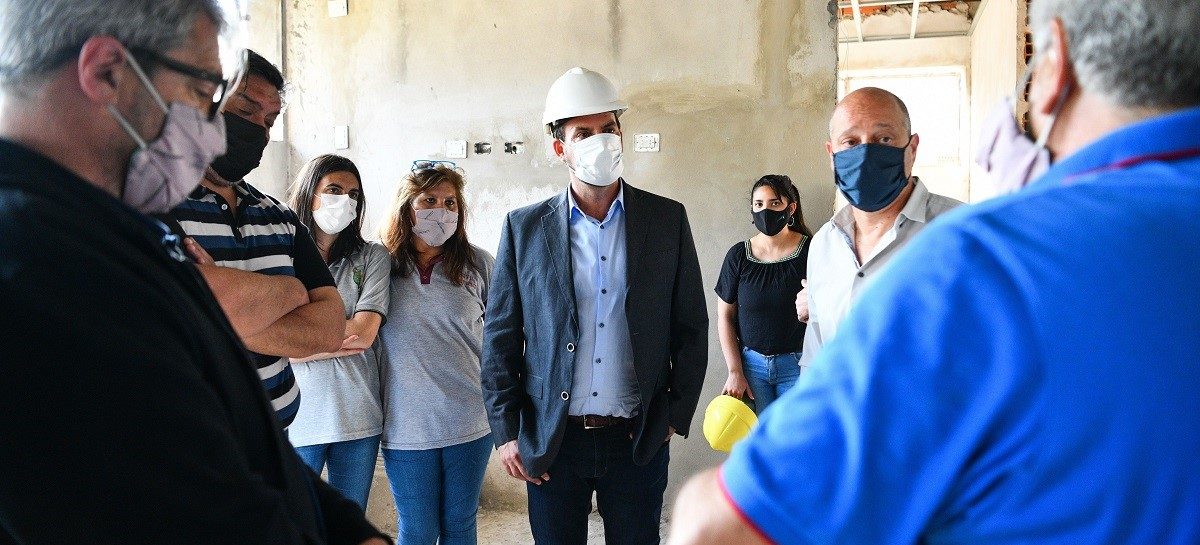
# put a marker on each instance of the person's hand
(802, 303)
(349, 341)
(510, 456)
(375, 541)
(197, 252)
(737, 386)
(670, 433)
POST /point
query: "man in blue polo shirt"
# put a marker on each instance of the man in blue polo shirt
(1029, 372)
(259, 260)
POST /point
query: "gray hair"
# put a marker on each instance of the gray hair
(39, 36)
(1135, 53)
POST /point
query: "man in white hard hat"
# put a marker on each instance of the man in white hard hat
(596, 333)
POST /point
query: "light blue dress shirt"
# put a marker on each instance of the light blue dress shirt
(605, 381)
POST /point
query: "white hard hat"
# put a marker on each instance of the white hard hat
(580, 92)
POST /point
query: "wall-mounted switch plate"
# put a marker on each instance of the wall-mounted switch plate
(645, 143)
(339, 8)
(341, 137)
(456, 149)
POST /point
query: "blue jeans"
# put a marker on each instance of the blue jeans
(351, 465)
(769, 376)
(437, 492)
(629, 496)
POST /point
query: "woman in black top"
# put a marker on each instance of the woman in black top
(756, 315)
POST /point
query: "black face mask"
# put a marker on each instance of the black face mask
(245, 142)
(771, 222)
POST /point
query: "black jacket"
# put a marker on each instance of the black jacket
(531, 327)
(129, 409)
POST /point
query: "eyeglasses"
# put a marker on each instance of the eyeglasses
(429, 164)
(224, 88)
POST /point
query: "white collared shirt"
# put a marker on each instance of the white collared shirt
(836, 278)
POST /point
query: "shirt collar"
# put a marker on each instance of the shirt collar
(244, 191)
(918, 202)
(1160, 135)
(618, 205)
(915, 209)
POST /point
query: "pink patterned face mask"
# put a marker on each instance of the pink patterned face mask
(163, 172)
(1006, 153)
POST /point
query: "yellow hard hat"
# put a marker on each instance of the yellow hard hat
(726, 421)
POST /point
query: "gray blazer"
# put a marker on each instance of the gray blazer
(530, 327)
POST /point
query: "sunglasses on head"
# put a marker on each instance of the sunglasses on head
(429, 164)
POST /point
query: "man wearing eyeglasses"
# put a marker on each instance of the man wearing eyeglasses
(129, 410)
(259, 259)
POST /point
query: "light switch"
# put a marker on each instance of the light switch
(341, 137)
(456, 149)
(339, 8)
(645, 143)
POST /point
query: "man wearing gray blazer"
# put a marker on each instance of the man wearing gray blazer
(596, 333)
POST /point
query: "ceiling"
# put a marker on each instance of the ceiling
(877, 20)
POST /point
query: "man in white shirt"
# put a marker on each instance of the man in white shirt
(872, 150)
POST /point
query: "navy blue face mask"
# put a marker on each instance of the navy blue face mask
(871, 176)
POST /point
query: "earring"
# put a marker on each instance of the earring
(791, 221)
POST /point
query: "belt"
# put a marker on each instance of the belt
(593, 421)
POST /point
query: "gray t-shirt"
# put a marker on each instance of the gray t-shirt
(433, 340)
(342, 396)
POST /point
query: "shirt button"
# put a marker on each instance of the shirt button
(603, 258)
(597, 360)
(565, 396)
(860, 274)
(594, 394)
(224, 207)
(570, 347)
(601, 324)
(601, 226)
(603, 291)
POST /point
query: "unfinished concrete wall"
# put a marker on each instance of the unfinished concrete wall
(997, 61)
(265, 38)
(736, 88)
(915, 53)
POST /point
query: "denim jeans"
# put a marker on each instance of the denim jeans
(437, 492)
(629, 496)
(351, 465)
(769, 376)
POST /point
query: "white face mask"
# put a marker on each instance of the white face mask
(336, 213)
(598, 159)
(435, 225)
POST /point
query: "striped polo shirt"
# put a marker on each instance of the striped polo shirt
(266, 237)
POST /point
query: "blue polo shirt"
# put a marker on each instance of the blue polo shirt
(1028, 372)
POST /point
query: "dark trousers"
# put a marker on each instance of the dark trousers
(629, 496)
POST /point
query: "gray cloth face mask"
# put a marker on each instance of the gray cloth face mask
(163, 172)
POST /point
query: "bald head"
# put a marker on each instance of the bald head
(872, 105)
(872, 116)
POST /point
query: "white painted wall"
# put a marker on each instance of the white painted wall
(996, 64)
